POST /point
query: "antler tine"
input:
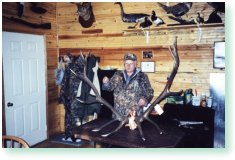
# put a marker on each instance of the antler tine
(82, 54)
(87, 102)
(99, 99)
(84, 78)
(89, 53)
(174, 53)
(83, 57)
(175, 56)
(85, 65)
(166, 91)
(115, 130)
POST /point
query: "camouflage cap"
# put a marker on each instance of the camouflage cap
(130, 56)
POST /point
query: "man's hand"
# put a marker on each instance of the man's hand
(105, 79)
(142, 102)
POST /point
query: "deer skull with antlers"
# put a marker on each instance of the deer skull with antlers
(85, 13)
(145, 115)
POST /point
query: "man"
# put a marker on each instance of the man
(132, 89)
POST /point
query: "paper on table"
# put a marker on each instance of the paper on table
(158, 109)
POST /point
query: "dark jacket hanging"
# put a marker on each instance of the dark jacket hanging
(85, 91)
(68, 93)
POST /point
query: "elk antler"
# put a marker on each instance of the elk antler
(165, 93)
(99, 99)
(139, 119)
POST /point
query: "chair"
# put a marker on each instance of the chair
(13, 142)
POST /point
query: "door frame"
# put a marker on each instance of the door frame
(3, 97)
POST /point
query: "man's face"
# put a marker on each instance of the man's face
(130, 65)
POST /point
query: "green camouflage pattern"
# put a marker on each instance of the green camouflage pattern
(127, 96)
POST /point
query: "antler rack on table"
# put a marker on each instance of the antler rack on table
(145, 116)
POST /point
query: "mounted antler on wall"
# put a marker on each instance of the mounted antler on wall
(85, 13)
(140, 118)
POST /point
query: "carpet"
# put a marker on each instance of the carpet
(61, 139)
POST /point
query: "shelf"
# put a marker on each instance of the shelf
(176, 26)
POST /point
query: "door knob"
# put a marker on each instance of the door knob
(9, 104)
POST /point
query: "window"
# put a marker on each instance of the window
(219, 55)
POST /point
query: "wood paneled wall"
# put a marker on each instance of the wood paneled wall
(196, 62)
(108, 19)
(115, 40)
(10, 10)
(196, 55)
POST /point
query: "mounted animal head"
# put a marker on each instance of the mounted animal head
(85, 13)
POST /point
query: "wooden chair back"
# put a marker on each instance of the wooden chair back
(13, 142)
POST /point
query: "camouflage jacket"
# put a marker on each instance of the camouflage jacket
(70, 82)
(129, 90)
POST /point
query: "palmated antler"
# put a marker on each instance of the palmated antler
(99, 99)
(164, 94)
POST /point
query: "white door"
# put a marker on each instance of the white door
(25, 86)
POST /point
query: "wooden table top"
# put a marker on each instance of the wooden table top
(131, 138)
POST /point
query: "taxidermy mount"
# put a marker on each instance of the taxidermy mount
(199, 19)
(132, 17)
(36, 9)
(214, 18)
(147, 23)
(85, 13)
(177, 10)
(156, 20)
(20, 9)
(29, 24)
(218, 6)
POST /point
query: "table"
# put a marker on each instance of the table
(131, 138)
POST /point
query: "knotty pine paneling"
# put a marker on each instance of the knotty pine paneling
(196, 54)
(163, 37)
(196, 63)
(109, 20)
(195, 51)
(10, 10)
